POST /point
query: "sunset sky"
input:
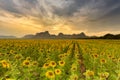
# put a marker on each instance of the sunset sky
(94, 17)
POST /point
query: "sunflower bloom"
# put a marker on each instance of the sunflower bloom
(104, 75)
(57, 71)
(26, 63)
(88, 73)
(52, 63)
(74, 77)
(46, 65)
(60, 56)
(5, 64)
(65, 54)
(28, 58)
(61, 63)
(10, 79)
(18, 57)
(95, 55)
(47, 59)
(118, 59)
(77, 55)
(74, 68)
(110, 56)
(50, 74)
(102, 61)
(34, 63)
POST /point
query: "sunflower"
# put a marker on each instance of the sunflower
(50, 74)
(65, 54)
(46, 65)
(34, 63)
(47, 59)
(18, 57)
(104, 75)
(61, 63)
(74, 68)
(52, 63)
(26, 63)
(10, 79)
(95, 55)
(11, 51)
(110, 56)
(102, 61)
(28, 58)
(60, 56)
(5, 64)
(114, 59)
(57, 71)
(77, 55)
(74, 77)
(79, 61)
(2, 54)
(88, 73)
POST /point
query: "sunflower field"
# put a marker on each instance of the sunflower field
(59, 59)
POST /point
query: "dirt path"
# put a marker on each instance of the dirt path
(82, 66)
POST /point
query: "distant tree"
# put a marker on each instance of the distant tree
(108, 36)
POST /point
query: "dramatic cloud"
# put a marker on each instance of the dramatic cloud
(19, 17)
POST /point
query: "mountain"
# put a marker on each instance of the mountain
(82, 35)
(47, 35)
(28, 36)
(44, 35)
(7, 37)
(73, 36)
(110, 36)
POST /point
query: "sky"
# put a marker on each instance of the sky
(94, 17)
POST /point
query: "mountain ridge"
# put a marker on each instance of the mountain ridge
(47, 35)
(7, 37)
(82, 35)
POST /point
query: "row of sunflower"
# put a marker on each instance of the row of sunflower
(59, 60)
(63, 68)
(21, 60)
(101, 59)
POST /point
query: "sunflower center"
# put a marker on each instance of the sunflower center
(26, 63)
(50, 73)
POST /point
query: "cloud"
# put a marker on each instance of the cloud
(91, 16)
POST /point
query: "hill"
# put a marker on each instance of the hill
(47, 35)
(7, 37)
